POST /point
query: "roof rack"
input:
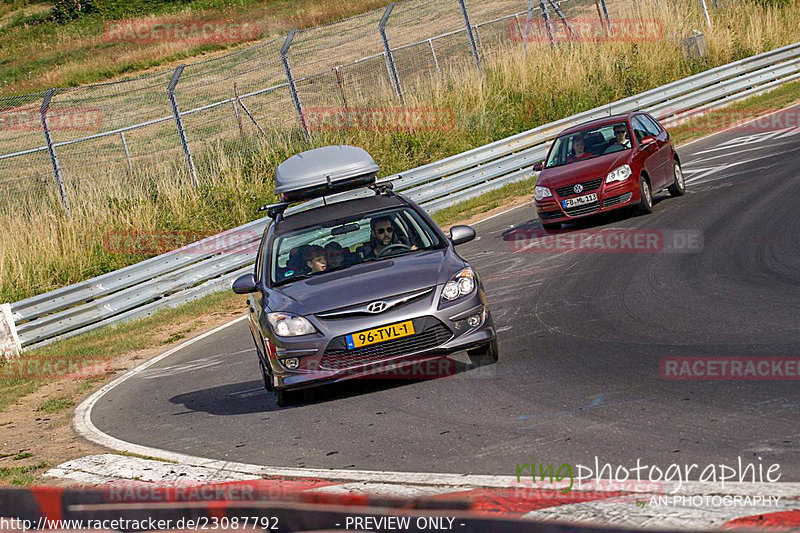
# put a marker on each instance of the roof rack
(274, 210)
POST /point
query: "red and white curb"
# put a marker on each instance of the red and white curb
(695, 506)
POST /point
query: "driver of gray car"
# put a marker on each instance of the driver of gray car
(383, 234)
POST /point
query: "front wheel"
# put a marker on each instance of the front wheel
(286, 398)
(678, 186)
(485, 355)
(646, 202)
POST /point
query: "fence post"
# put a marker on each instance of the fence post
(563, 18)
(605, 13)
(292, 88)
(705, 12)
(388, 51)
(235, 103)
(62, 193)
(546, 17)
(526, 35)
(179, 123)
(127, 153)
(471, 36)
(435, 59)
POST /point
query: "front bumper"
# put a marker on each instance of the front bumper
(324, 357)
(610, 196)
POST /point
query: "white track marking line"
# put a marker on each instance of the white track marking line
(729, 165)
(759, 117)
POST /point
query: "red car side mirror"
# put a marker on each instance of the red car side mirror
(538, 166)
(647, 141)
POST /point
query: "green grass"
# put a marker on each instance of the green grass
(21, 475)
(21, 456)
(56, 405)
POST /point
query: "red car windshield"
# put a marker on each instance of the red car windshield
(589, 143)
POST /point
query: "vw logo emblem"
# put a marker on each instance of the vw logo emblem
(578, 188)
(377, 307)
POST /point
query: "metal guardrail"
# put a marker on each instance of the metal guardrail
(211, 264)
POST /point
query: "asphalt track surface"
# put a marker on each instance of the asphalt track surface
(581, 334)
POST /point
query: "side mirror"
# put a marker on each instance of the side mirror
(647, 141)
(461, 234)
(244, 284)
(538, 166)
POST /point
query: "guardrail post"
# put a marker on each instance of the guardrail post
(62, 193)
(10, 346)
(546, 17)
(127, 153)
(471, 36)
(179, 123)
(388, 52)
(292, 88)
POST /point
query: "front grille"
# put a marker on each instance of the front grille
(588, 186)
(583, 209)
(337, 358)
(550, 215)
(614, 200)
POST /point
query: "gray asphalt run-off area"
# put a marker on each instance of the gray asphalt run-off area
(582, 336)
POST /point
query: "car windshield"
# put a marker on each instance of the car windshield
(589, 143)
(342, 243)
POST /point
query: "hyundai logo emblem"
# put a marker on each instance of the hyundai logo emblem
(377, 307)
(578, 188)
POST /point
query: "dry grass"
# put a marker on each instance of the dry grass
(40, 249)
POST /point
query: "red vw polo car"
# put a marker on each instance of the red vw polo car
(606, 164)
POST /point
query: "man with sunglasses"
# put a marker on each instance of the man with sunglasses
(621, 141)
(382, 235)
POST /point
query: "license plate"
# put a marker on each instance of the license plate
(381, 334)
(580, 200)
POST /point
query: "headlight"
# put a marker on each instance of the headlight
(286, 325)
(541, 192)
(619, 174)
(459, 285)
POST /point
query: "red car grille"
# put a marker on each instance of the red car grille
(588, 186)
(337, 359)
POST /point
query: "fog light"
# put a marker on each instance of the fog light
(291, 363)
(473, 320)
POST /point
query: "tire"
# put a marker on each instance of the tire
(645, 205)
(552, 226)
(265, 376)
(678, 187)
(485, 355)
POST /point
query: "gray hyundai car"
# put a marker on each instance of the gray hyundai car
(357, 280)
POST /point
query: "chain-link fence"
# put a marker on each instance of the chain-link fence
(54, 144)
